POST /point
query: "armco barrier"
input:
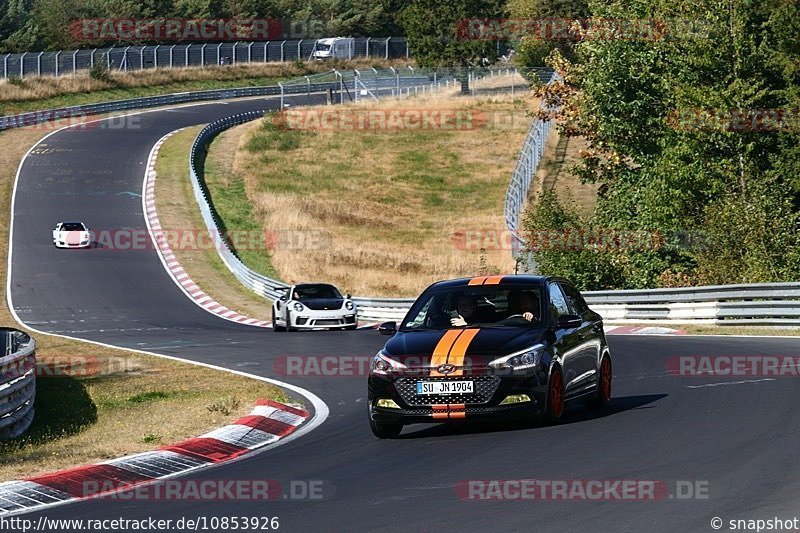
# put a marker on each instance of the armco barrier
(17, 382)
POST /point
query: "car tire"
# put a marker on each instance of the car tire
(385, 431)
(554, 409)
(289, 321)
(602, 394)
(354, 326)
(275, 326)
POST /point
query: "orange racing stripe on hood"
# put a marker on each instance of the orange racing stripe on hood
(442, 349)
(459, 350)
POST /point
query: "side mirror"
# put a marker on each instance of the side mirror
(347, 296)
(284, 298)
(569, 321)
(388, 328)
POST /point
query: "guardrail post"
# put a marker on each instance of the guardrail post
(308, 88)
(281, 86)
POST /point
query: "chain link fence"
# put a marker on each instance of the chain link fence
(519, 187)
(127, 58)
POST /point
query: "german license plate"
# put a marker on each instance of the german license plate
(444, 387)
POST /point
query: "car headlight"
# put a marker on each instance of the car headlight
(349, 305)
(522, 360)
(298, 306)
(381, 364)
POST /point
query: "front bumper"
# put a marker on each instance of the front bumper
(61, 244)
(483, 404)
(323, 320)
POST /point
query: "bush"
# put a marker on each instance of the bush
(751, 237)
(558, 253)
(100, 70)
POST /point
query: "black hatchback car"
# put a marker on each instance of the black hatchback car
(491, 347)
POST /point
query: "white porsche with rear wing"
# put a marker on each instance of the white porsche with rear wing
(313, 306)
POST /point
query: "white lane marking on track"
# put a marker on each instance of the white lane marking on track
(321, 411)
(723, 383)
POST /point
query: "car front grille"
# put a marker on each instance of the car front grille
(484, 387)
(327, 322)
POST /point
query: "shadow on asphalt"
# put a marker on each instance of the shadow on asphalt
(575, 413)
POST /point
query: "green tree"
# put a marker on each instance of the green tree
(647, 107)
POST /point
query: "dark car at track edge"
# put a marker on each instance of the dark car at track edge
(513, 347)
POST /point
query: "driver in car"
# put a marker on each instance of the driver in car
(524, 304)
(465, 312)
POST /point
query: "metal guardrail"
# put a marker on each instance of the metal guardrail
(17, 382)
(128, 58)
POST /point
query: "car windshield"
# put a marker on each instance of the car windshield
(72, 226)
(323, 47)
(506, 305)
(310, 292)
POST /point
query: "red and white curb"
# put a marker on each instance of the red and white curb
(268, 423)
(642, 330)
(168, 258)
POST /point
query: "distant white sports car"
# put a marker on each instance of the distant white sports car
(72, 235)
(311, 306)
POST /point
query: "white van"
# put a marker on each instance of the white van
(334, 48)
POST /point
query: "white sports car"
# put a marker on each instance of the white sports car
(72, 235)
(313, 305)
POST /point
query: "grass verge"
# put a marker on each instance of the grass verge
(109, 402)
(377, 210)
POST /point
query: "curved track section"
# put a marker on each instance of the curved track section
(738, 438)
